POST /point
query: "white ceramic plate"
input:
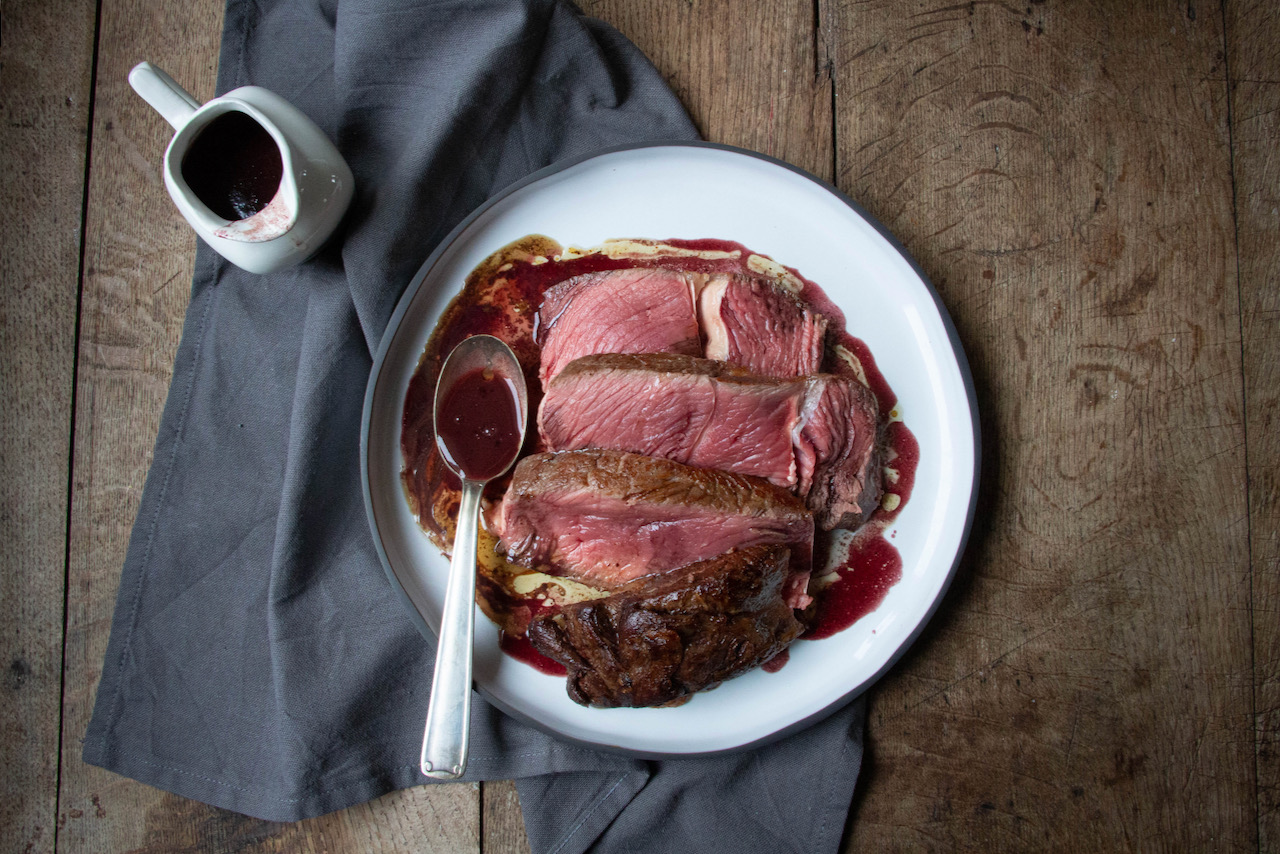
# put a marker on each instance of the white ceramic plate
(706, 191)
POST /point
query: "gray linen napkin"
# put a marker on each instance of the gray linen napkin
(259, 660)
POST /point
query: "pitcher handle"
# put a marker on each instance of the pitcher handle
(160, 90)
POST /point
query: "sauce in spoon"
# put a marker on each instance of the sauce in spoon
(481, 409)
(477, 425)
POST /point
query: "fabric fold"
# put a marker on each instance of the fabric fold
(788, 797)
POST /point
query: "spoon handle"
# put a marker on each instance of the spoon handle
(444, 745)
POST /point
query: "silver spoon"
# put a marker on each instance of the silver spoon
(466, 437)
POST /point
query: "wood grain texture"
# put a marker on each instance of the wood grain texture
(139, 260)
(752, 75)
(44, 116)
(1062, 173)
(1253, 55)
(431, 820)
(502, 821)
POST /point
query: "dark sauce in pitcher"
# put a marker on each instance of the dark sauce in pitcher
(233, 166)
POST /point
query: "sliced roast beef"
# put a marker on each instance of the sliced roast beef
(730, 317)
(837, 451)
(694, 411)
(619, 311)
(606, 517)
(657, 640)
(759, 325)
(815, 434)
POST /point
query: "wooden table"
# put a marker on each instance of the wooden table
(1094, 190)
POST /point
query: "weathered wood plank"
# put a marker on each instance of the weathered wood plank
(751, 74)
(1063, 175)
(138, 262)
(1253, 60)
(501, 821)
(138, 271)
(433, 820)
(44, 121)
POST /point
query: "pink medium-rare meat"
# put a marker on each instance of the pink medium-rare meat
(816, 434)
(759, 325)
(607, 517)
(730, 317)
(837, 451)
(619, 311)
(659, 639)
(694, 411)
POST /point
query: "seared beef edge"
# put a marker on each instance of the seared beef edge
(662, 638)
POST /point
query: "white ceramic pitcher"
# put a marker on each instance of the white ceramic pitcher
(315, 186)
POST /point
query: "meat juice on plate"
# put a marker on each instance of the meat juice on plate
(501, 298)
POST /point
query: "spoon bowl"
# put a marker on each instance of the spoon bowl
(481, 409)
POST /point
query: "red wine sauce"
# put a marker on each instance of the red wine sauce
(522, 650)
(864, 578)
(233, 166)
(478, 424)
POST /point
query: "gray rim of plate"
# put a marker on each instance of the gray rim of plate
(393, 326)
